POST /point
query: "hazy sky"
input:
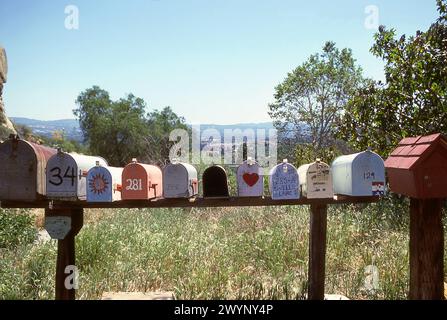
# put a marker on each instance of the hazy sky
(212, 61)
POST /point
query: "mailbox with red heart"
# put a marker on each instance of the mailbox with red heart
(250, 181)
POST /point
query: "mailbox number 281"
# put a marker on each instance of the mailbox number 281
(134, 184)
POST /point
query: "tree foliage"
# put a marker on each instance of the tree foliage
(121, 130)
(312, 97)
(161, 123)
(112, 129)
(413, 101)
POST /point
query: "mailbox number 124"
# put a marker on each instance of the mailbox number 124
(369, 175)
(134, 184)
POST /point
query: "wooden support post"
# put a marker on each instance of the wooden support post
(317, 251)
(426, 250)
(65, 250)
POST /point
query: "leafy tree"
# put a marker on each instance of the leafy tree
(161, 123)
(312, 97)
(115, 130)
(121, 130)
(413, 101)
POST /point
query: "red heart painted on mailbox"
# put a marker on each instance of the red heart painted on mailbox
(250, 178)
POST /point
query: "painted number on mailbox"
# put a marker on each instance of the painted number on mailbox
(56, 177)
(134, 184)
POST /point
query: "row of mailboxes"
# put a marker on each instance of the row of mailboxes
(30, 171)
(360, 174)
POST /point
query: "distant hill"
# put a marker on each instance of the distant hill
(47, 127)
(73, 131)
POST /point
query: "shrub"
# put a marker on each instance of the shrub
(16, 228)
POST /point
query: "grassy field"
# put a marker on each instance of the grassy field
(230, 253)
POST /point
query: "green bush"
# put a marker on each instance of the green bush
(16, 228)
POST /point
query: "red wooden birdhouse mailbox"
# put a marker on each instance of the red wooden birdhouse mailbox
(417, 168)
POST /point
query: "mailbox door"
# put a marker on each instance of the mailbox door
(99, 185)
(250, 182)
(135, 182)
(18, 171)
(319, 181)
(368, 175)
(176, 181)
(62, 177)
(104, 184)
(215, 183)
(284, 182)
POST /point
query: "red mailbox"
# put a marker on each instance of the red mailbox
(141, 181)
(418, 167)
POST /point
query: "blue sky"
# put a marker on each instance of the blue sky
(212, 61)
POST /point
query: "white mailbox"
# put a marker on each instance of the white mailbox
(250, 181)
(360, 174)
(104, 184)
(180, 181)
(316, 180)
(67, 175)
(284, 182)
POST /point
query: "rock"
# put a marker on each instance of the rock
(42, 237)
(6, 125)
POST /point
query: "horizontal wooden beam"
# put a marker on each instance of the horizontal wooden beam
(187, 203)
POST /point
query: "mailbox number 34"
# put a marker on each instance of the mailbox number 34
(134, 184)
(56, 178)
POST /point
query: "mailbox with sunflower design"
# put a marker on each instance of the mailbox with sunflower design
(250, 181)
(104, 184)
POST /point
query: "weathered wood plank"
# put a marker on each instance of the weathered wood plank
(189, 203)
(426, 250)
(317, 251)
(66, 252)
